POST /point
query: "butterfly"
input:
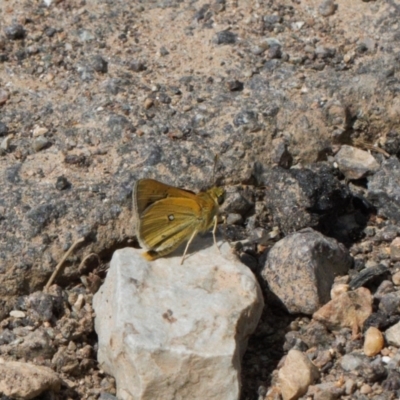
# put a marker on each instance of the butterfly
(166, 216)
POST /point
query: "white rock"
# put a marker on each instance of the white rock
(5, 143)
(169, 331)
(39, 131)
(17, 314)
(355, 163)
(26, 381)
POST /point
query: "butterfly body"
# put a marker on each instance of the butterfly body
(166, 216)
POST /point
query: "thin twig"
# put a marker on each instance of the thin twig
(81, 265)
(361, 143)
(60, 264)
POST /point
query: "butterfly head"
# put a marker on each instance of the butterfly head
(217, 194)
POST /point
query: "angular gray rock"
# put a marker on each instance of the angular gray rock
(392, 335)
(169, 331)
(300, 269)
(384, 189)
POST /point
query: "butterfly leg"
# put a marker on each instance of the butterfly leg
(214, 231)
(188, 244)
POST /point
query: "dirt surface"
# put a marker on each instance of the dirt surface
(96, 94)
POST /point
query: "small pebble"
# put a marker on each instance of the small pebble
(49, 78)
(257, 50)
(3, 97)
(388, 233)
(392, 335)
(137, 66)
(338, 289)
(3, 129)
(148, 103)
(350, 386)
(234, 219)
(79, 302)
(296, 26)
(235, 85)
(163, 51)
(369, 231)
(385, 353)
(274, 52)
(396, 278)
(50, 32)
(71, 346)
(39, 131)
(17, 314)
(384, 288)
(72, 298)
(327, 8)
(373, 342)
(371, 263)
(365, 389)
(350, 362)
(39, 143)
(225, 37)
(99, 64)
(15, 32)
(395, 249)
(5, 143)
(62, 183)
(348, 57)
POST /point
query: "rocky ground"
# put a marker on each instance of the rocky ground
(96, 94)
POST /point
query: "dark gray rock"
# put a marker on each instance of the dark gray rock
(390, 303)
(366, 275)
(371, 370)
(380, 320)
(392, 143)
(41, 306)
(7, 336)
(327, 8)
(235, 202)
(35, 344)
(274, 52)
(225, 37)
(3, 129)
(99, 64)
(15, 32)
(384, 189)
(300, 269)
(137, 66)
(392, 382)
(50, 32)
(235, 85)
(62, 183)
(298, 198)
(388, 233)
(249, 119)
(280, 153)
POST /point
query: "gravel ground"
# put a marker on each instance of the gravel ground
(96, 94)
